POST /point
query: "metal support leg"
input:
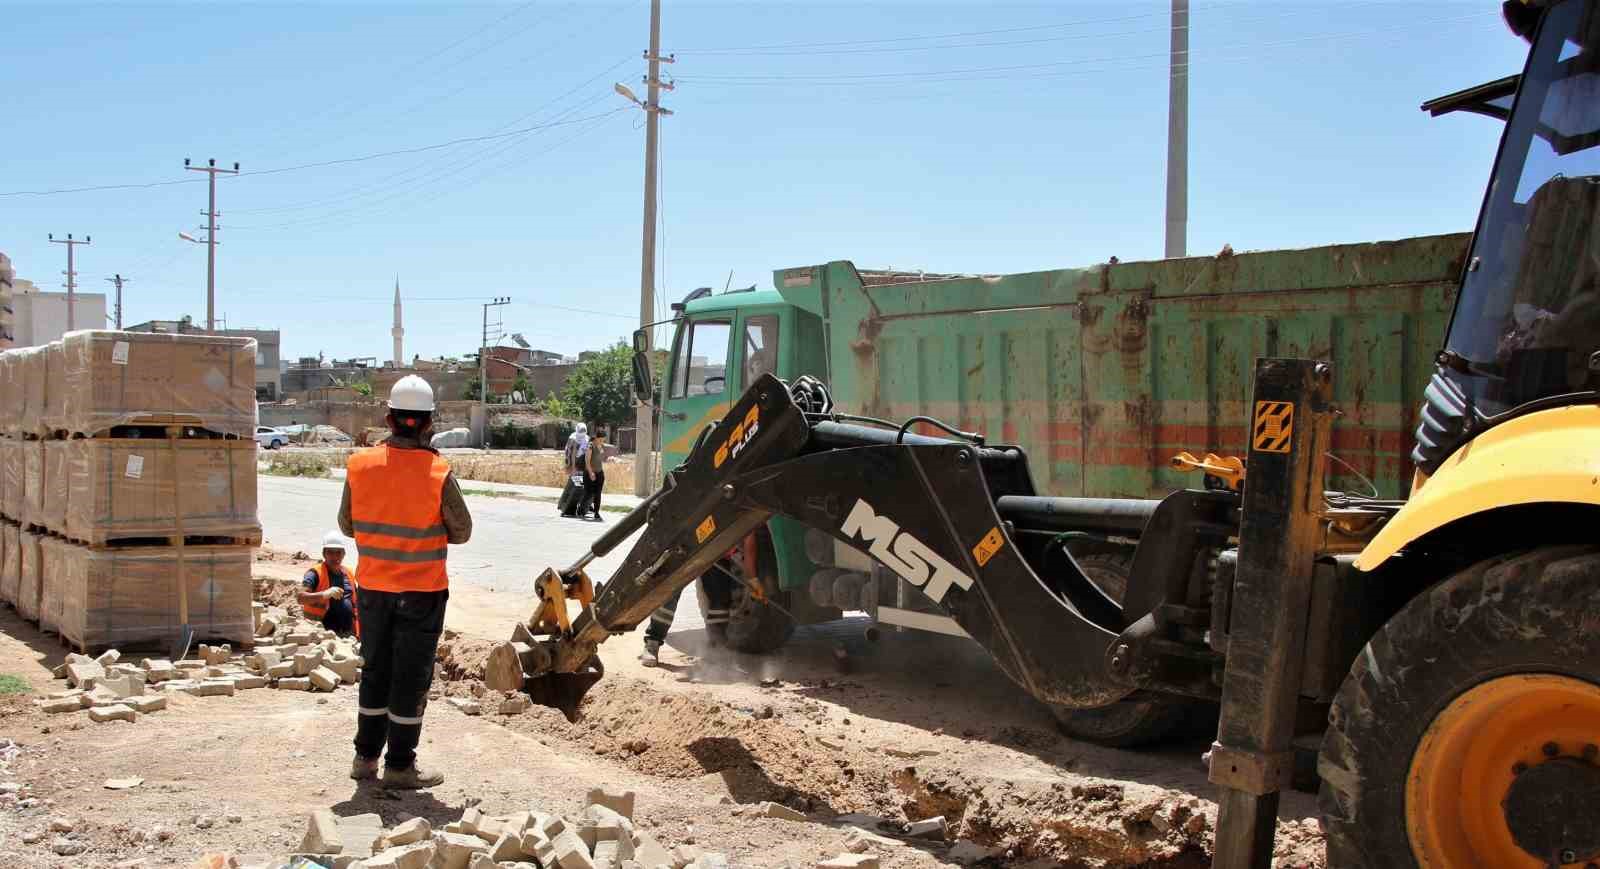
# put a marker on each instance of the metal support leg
(1252, 758)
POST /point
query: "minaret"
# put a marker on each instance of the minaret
(398, 331)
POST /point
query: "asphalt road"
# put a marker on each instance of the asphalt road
(513, 538)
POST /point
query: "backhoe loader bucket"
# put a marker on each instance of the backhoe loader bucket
(564, 691)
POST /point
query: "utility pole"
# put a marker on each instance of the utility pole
(119, 280)
(211, 171)
(644, 428)
(72, 274)
(483, 364)
(1178, 134)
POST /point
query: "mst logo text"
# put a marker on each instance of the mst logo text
(904, 554)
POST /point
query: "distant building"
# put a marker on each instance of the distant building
(39, 318)
(7, 279)
(269, 372)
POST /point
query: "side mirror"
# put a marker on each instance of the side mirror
(642, 387)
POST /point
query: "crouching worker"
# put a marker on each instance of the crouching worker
(329, 593)
(402, 505)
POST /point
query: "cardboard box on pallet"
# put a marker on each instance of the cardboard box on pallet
(10, 569)
(55, 390)
(10, 392)
(28, 581)
(122, 378)
(33, 488)
(57, 491)
(127, 488)
(125, 596)
(13, 489)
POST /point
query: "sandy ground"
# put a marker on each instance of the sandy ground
(912, 726)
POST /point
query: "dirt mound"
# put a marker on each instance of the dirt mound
(460, 660)
(277, 592)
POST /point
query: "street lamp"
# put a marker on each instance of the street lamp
(187, 237)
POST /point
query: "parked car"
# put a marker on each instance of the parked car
(270, 437)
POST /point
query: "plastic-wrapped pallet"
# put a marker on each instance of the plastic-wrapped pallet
(30, 370)
(55, 388)
(128, 595)
(57, 492)
(10, 392)
(33, 490)
(127, 488)
(13, 490)
(8, 563)
(125, 378)
(28, 576)
(51, 565)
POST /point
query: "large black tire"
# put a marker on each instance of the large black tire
(1533, 612)
(1127, 723)
(753, 626)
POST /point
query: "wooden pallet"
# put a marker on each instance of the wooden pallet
(111, 540)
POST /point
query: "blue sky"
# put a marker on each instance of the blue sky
(802, 133)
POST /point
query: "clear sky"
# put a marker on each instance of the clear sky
(948, 136)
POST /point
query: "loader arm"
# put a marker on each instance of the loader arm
(923, 507)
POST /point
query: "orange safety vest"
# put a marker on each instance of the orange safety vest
(319, 608)
(395, 498)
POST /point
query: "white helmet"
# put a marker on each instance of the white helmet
(411, 393)
(333, 540)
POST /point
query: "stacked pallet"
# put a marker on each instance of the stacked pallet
(127, 473)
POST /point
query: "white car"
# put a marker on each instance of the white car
(270, 437)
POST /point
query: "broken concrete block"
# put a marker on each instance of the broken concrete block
(216, 654)
(619, 801)
(859, 841)
(648, 852)
(414, 856)
(267, 626)
(349, 669)
(455, 850)
(117, 712)
(360, 834)
(324, 679)
(569, 851)
(322, 832)
(850, 861)
(100, 697)
(295, 683)
(305, 662)
(121, 686)
(62, 704)
(262, 659)
(927, 828)
(245, 683)
(684, 855)
(414, 830)
(283, 670)
(84, 674)
(158, 670)
(211, 688)
(507, 848)
(108, 657)
(467, 705)
(471, 817)
(516, 704)
(147, 703)
(779, 811)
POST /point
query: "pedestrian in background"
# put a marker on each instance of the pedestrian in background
(594, 478)
(573, 490)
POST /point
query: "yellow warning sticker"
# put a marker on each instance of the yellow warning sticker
(988, 546)
(706, 529)
(1274, 426)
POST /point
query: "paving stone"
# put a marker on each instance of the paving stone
(619, 801)
(850, 861)
(297, 683)
(245, 683)
(684, 855)
(147, 703)
(122, 686)
(467, 705)
(507, 848)
(62, 704)
(108, 657)
(322, 833)
(569, 851)
(927, 828)
(414, 856)
(210, 688)
(471, 817)
(118, 712)
(84, 674)
(455, 850)
(414, 830)
(515, 704)
(281, 671)
(324, 679)
(349, 669)
(859, 840)
(360, 834)
(648, 852)
(779, 811)
(190, 664)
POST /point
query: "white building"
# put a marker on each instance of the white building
(39, 318)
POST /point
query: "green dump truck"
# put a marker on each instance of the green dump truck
(1102, 374)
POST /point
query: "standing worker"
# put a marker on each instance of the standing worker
(402, 505)
(594, 478)
(329, 593)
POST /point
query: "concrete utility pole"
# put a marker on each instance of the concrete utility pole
(119, 280)
(211, 214)
(72, 274)
(644, 428)
(1178, 134)
(483, 365)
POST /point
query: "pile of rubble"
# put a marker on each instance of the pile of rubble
(602, 837)
(299, 656)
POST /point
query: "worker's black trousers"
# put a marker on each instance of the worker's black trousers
(399, 636)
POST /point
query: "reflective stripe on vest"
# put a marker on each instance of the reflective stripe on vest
(395, 497)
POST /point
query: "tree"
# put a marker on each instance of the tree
(600, 390)
(472, 390)
(362, 388)
(521, 387)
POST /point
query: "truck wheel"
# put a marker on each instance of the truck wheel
(1126, 723)
(1466, 732)
(753, 626)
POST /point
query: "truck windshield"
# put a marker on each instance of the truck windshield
(1528, 320)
